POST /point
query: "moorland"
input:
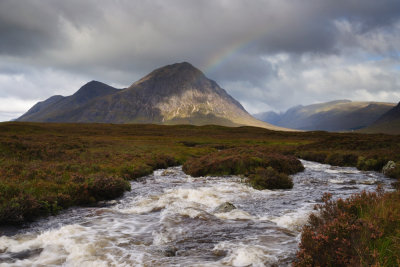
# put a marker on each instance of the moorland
(47, 167)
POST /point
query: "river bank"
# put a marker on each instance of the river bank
(49, 167)
(168, 219)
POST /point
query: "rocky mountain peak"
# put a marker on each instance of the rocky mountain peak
(93, 89)
(178, 69)
(174, 94)
(175, 79)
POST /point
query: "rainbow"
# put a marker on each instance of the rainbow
(225, 53)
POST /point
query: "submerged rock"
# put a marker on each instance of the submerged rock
(105, 203)
(21, 255)
(170, 251)
(388, 167)
(224, 207)
(167, 173)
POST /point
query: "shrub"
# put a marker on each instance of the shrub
(106, 187)
(371, 164)
(268, 178)
(313, 156)
(130, 172)
(363, 230)
(21, 208)
(395, 172)
(161, 161)
(341, 159)
(241, 161)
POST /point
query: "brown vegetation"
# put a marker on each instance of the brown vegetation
(48, 167)
(266, 170)
(269, 178)
(363, 230)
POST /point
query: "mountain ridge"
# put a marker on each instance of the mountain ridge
(173, 94)
(388, 123)
(60, 106)
(337, 115)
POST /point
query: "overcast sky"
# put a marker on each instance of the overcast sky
(268, 54)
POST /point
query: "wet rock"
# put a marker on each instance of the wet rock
(105, 203)
(224, 207)
(220, 253)
(388, 167)
(170, 251)
(288, 232)
(25, 254)
(167, 173)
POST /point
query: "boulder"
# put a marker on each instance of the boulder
(167, 173)
(170, 251)
(388, 167)
(224, 207)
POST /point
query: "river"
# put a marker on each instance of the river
(168, 219)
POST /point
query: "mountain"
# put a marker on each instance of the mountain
(269, 116)
(174, 94)
(42, 106)
(59, 108)
(334, 116)
(387, 123)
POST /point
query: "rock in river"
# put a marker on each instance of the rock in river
(388, 167)
(224, 207)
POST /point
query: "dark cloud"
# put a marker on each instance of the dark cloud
(260, 50)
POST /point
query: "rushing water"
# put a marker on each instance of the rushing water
(168, 220)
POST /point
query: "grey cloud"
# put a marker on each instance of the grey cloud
(121, 40)
(26, 27)
(243, 67)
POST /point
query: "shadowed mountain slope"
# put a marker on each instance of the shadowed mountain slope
(174, 94)
(60, 108)
(387, 123)
(340, 115)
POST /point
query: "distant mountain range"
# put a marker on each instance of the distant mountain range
(387, 123)
(335, 116)
(174, 94)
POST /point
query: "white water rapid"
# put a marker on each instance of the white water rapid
(168, 220)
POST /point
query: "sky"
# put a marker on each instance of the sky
(268, 54)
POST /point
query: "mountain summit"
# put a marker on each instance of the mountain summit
(174, 94)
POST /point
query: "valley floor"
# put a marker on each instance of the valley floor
(48, 167)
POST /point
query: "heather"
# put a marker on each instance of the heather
(46, 167)
(363, 230)
(265, 169)
(269, 178)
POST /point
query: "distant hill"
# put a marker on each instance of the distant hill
(387, 123)
(174, 94)
(334, 116)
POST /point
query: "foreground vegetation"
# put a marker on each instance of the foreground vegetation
(363, 230)
(48, 167)
(265, 169)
